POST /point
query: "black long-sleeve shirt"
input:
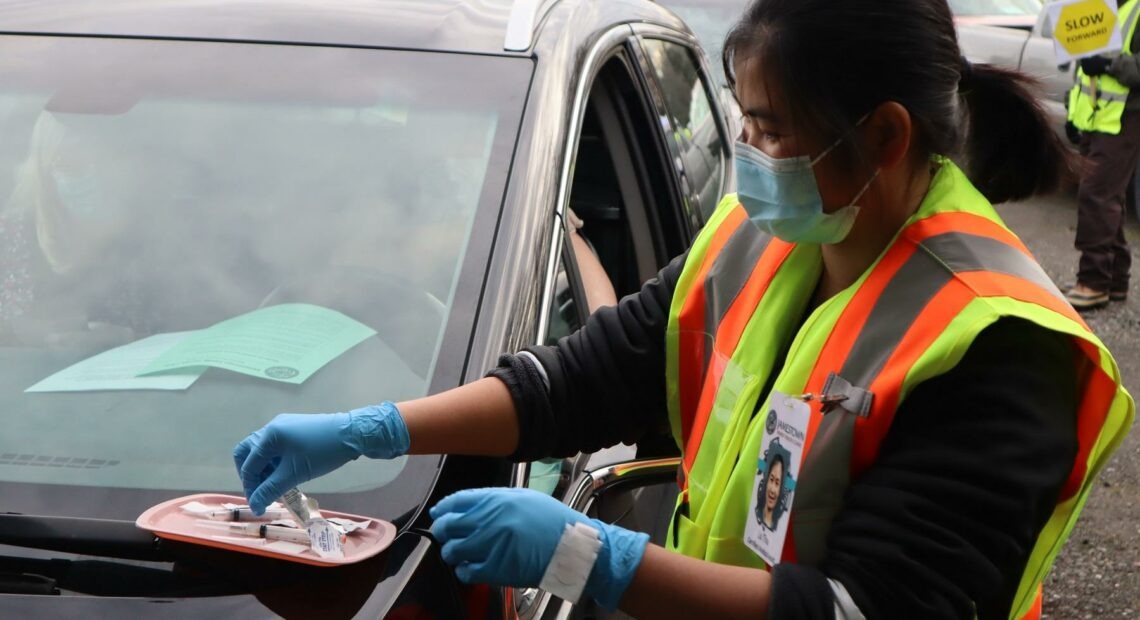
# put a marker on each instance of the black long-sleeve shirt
(940, 526)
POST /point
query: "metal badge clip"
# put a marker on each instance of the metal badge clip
(838, 392)
(827, 402)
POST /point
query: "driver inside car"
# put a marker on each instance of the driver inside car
(65, 280)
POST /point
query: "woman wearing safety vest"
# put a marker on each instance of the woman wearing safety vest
(857, 324)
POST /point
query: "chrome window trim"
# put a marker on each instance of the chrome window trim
(601, 480)
(611, 39)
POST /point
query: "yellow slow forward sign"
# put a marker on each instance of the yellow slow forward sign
(1084, 28)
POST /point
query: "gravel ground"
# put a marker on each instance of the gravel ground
(1097, 574)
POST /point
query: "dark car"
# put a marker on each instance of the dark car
(172, 164)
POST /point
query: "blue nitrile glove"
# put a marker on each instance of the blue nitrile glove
(297, 447)
(507, 537)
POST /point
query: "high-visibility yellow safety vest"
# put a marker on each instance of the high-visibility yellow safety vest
(951, 271)
(1097, 103)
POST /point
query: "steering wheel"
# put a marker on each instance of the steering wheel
(401, 312)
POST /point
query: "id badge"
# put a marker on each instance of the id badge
(777, 469)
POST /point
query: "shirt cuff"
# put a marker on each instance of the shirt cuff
(845, 607)
(532, 358)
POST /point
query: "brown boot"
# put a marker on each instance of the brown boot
(1085, 298)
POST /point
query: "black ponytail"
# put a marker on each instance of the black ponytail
(837, 60)
(1010, 152)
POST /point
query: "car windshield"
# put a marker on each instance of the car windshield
(197, 236)
(969, 8)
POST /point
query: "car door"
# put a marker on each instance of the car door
(635, 205)
(637, 154)
(626, 206)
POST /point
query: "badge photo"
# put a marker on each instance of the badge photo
(777, 469)
(776, 485)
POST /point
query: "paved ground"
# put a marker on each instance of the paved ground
(1098, 573)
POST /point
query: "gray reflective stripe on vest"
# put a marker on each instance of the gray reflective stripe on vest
(963, 253)
(825, 473)
(1102, 95)
(729, 273)
(918, 281)
(1129, 25)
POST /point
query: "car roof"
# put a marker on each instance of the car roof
(479, 26)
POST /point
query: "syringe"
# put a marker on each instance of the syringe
(245, 514)
(259, 530)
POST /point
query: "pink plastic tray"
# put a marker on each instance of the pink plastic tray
(167, 520)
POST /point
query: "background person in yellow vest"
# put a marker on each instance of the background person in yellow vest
(978, 469)
(1103, 107)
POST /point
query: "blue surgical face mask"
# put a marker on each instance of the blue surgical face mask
(781, 196)
(79, 192)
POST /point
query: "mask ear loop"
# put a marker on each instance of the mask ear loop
(866, 186)
(835, 144)
(827, 151)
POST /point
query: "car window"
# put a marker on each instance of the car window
(263, 203)
(692, 118)
(710, 20)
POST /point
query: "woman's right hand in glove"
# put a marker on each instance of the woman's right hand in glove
(295, 448)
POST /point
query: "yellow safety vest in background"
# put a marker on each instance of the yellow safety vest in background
(1097, 103)
(952, 270)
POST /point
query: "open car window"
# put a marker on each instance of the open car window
(197, 236)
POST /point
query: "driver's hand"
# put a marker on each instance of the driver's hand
(295, 448)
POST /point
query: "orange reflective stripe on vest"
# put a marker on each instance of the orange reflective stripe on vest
(966, 223)
(736, 277)
(1094, 410)
(727, 336)
(691, 366)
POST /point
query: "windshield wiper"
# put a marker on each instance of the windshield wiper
(26, 583)
(99, 537)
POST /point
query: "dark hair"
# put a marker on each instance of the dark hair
(778, 458)
(837, 60)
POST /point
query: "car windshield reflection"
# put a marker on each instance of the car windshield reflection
(197, 236)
